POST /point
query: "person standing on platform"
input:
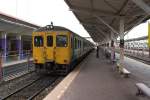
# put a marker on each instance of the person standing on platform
(97, 52)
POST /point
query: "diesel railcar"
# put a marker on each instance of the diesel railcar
(57, 49)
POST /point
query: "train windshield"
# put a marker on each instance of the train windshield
(38, 41)
(61, 41)
(49, 41)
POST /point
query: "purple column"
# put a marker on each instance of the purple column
(19, 47)
(3, 45)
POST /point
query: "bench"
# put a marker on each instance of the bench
(143, 89)
(125, 72)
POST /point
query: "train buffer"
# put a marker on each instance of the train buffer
(143, 89)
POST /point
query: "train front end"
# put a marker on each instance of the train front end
(38, 47)
(52, 50)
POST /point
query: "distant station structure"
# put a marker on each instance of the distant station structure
(106, 20)
(15, 37)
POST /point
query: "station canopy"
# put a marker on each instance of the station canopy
(13, 25)
(102, 18)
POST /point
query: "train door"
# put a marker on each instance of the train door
(38, 48)
(63, 49)
(50, 44)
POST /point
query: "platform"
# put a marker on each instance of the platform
(16, 68)
(15, 62)
(96, 80)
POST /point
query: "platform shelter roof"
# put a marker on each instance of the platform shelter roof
(101, 18)
(10, 24)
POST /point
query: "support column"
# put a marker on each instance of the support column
(112, 47)
(19, 47)
(149, 38)
(3, 45)
(121, 43)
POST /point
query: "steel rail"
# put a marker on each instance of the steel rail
(18, 90)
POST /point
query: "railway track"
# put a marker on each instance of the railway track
(138, 58)
(32, 89)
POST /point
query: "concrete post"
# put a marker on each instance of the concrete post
(112, 47)
(149, 37)
(19, 47)
(121, 43)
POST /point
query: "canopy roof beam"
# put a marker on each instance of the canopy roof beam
(92, 11)
(102, 32)
(93, 32)
(110, 27)
(142, 5)
(90, 24)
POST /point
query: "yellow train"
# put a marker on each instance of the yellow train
(57, 49)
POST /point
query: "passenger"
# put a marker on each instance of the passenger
(97, 52)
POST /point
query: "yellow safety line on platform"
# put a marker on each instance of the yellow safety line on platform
(61, 88)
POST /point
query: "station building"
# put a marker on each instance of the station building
(15, 38)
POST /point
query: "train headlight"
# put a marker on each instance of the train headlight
(35, 60)
(65, 61)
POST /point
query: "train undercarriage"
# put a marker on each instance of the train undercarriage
(52, 68)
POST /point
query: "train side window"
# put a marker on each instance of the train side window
(78, 43)
(72, 43)
(81, 44)
(49, 41)
(61, 41)
(38, 41)
(75, 43)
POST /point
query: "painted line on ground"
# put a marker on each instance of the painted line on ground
(61, 88)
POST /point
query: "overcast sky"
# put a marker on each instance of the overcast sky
(42, 12)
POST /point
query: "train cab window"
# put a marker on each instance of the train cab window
(38, 41)
(49, 41)
(61, 41)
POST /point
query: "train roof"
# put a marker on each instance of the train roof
(52, 28)
(56, 28)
